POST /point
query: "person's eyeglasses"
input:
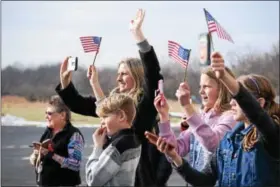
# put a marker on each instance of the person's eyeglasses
(49, 113)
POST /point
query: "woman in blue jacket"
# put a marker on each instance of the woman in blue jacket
(248, 155)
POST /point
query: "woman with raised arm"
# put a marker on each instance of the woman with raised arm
(138, 78)
(248, 155)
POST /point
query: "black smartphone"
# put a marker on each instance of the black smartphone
(204, 49)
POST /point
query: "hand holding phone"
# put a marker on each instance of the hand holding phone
(153, 138)
(160, 89)
(72, 64)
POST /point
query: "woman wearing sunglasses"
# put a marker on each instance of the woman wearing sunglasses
(58, 162)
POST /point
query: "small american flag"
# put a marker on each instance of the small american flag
(214, 26)
(90, 43)
(178, 53)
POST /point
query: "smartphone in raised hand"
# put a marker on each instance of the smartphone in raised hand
(160, 86)
(161, 91)
(72, 64)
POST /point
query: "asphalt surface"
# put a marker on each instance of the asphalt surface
(15, 167)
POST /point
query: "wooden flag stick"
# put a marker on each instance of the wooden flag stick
(186, 69)
(97, 51)
(94, 58)
(185, 76)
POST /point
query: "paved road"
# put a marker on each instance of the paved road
(15, 167)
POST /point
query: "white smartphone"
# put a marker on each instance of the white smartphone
(72, 64)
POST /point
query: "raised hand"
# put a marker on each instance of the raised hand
(92, 74)
(162, 107)
(183, 94)
(218, 65)
(136, 25)
(65, 75)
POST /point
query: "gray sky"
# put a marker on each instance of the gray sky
(35, 33)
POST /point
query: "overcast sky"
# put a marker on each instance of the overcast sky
(35, 33)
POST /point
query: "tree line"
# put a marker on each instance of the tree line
(37, 84)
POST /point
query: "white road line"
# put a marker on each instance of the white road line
(9, 147)
(23, 146)
(25, 158)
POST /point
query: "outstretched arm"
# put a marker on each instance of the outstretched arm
(152, 76)
(76, 102)
(70, 96)
(191, 175)
(207, 177)
(259, 117)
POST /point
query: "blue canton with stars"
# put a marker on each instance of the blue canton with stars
(184, 53)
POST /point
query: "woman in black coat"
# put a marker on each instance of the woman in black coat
(139, 78)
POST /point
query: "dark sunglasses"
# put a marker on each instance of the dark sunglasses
(49, 113)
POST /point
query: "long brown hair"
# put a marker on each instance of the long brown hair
(223, 102)
(260, 87)
(136, 69)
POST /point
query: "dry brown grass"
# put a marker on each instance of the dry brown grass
(35, 111)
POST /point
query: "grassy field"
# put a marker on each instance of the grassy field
(35, 111)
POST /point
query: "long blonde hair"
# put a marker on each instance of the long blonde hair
(136, 70)
(260, 87)
(222, 104)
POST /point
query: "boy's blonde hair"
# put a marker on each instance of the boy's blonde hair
(115, 103)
